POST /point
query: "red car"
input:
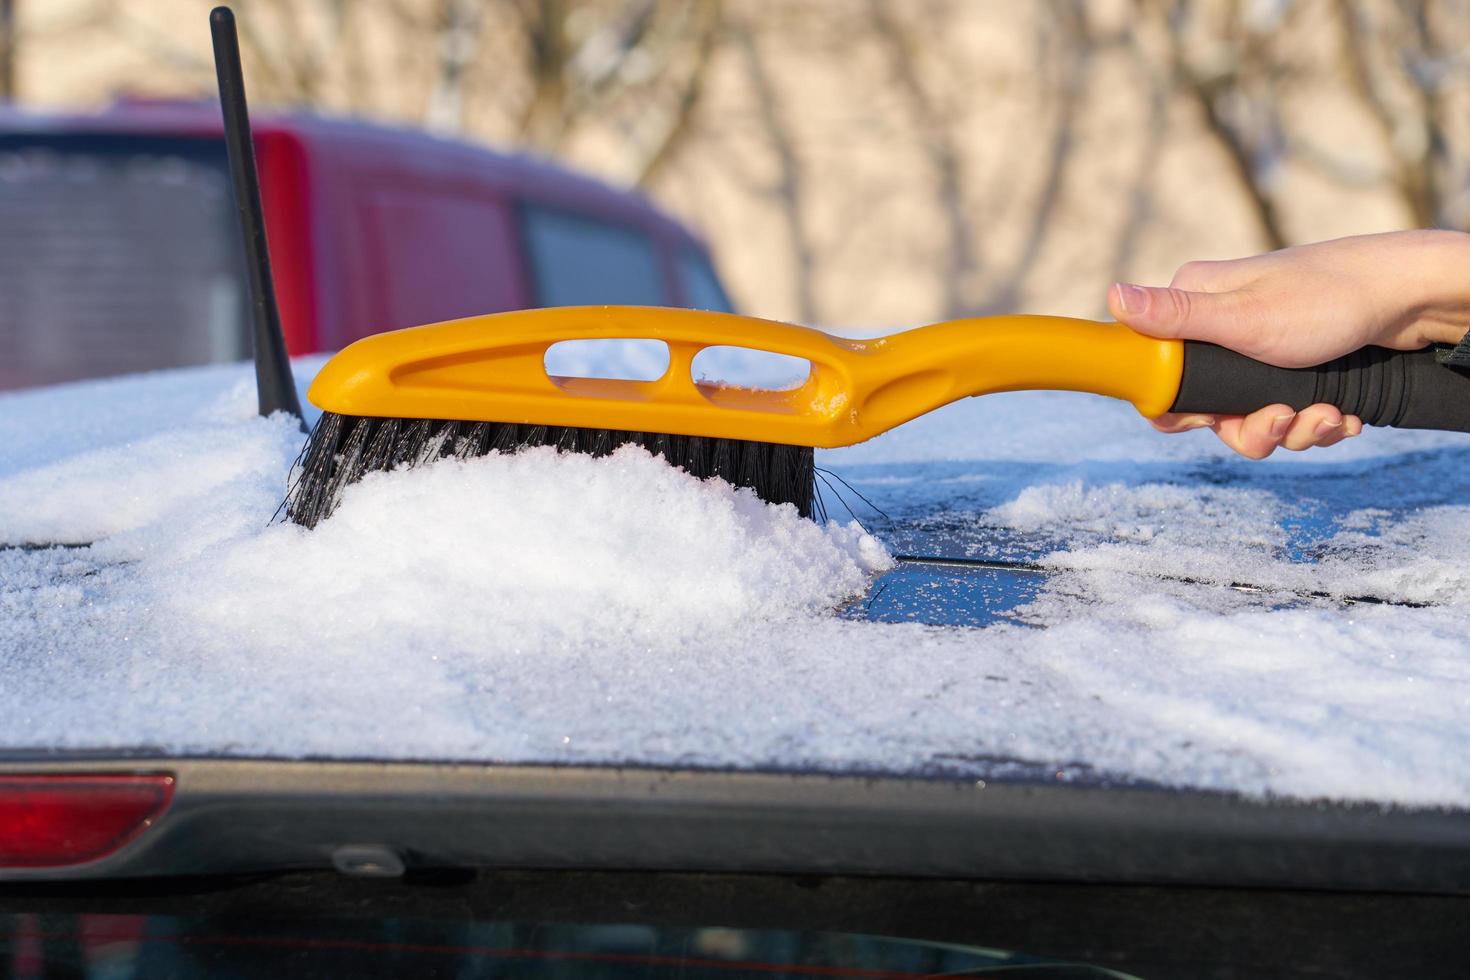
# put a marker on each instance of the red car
(119, 252)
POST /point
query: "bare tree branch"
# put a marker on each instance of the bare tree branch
(1346, 173)
(961, 267)
(458, 33)
(543, 118)
(160, 46)
(1424, 66)
(8, 49)
(298, 63)
(1075, 61)
(788, 190)
(361, 92)
(1409, 175)
(599, 65)
(674, 127)
(1209, 88)
(1140, 194)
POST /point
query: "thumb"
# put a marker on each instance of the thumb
(1221, 318)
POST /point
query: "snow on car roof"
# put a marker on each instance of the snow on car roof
(544, 609)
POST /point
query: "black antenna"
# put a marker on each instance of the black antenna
(274, 386)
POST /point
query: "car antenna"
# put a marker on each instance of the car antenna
(274, 386)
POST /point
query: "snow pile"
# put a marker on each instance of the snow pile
(488, 571)
(536, 551)
(45, 425)
(154, 482)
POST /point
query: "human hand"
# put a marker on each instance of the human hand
(1304, 306)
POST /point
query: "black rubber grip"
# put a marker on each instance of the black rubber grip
(1409, 390)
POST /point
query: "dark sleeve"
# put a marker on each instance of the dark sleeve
(1457, 356)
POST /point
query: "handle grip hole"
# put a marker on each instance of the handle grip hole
(747, 367)
(630, 359)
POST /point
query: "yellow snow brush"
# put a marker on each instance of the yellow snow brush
(472, 386)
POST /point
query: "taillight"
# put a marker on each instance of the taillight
(53, 821)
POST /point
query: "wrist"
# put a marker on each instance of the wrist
(1441, 311)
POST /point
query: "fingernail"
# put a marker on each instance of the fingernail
(1199, 423)
(1279, 425)
(1133, 299)
(1324, 427)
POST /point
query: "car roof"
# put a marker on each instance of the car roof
(369, 143)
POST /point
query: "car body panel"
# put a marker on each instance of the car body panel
(233, 816)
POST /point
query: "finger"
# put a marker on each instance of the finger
(1312, 426)
(1256, 435)
(1351, 426)
(1228, 318)
(1171, 422)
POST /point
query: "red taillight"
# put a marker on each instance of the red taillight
(52, 821)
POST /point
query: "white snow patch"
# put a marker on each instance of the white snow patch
(1230, 535)
(564, 609)
(538, 551)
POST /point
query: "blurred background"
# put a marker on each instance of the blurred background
(869, 162)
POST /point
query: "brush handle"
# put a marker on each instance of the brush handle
(1405, 389)
(492, 369)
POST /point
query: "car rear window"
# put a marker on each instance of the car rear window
(702, 289)
(117, 254)
(182, 946)
(577, 260)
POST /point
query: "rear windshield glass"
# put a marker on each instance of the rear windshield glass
(128, 946)
(117, 254)
(702, 289)
(578, 260)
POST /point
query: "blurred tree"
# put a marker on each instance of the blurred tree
(541, 72)
(458, 28)
(637, 65)
(295, 56)
(7, 50)
(1065, 43)
(1404, 61)
(878, 160)
(787, 190)
(1232, 79)
(1140, 204)
(935, 124)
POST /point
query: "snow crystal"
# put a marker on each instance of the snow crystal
(564, 609)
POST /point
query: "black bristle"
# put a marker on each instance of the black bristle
(379, 452)
(566, 440)
(472, 443)
(504, 438)
(411, 438)
(347, 464)
(342, 448)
